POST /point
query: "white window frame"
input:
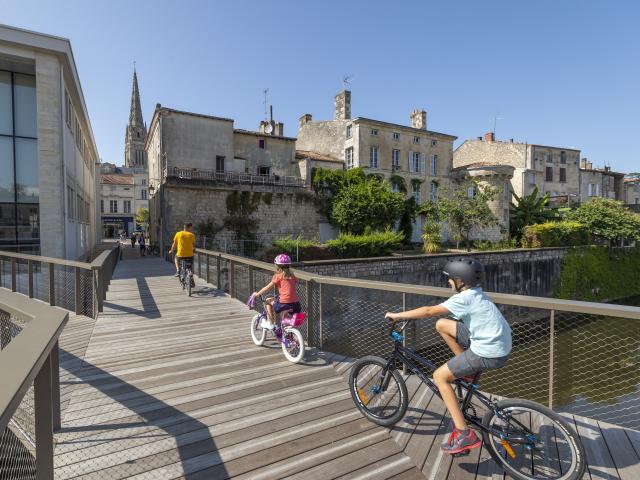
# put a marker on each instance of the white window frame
(416, 191)
(349, 133)
(143, 194)
(395, 159)
(433, 165)
(348, 157)
(373, 156)
(396, 136)
(434, 143)
(416, 162)
(433, 191)
(113, 206)
(126, 206)
(590, 190)
(416, 140)
(374, 132)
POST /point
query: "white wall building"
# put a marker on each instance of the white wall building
(47, 150)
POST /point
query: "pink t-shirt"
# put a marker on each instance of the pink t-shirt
(286, 288)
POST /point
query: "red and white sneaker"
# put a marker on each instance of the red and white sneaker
(460, 441)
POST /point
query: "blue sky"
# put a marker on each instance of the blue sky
(563, 73)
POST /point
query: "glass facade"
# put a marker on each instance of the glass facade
(19, 191)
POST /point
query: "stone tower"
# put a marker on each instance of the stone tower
(134, 153)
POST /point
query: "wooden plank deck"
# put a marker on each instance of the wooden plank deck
(164, 386)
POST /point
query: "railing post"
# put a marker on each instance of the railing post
(78, 296)
(52, 285)
(309, 308)
(404, 336)
(13, 274)
(320, 342)
(552, 332)
(99, 289)
(219, 273)
(44, 422)
(232, 280)
(30, 270)
(199, 265)
(206, 255)
(55, 387)
(252, 287)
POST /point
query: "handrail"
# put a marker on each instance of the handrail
(28, 351)
(38, 258)
(189, 173)
(622, 311)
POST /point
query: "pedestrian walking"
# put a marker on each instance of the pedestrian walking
(141, 242)
(133, 240)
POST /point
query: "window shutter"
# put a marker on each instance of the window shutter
(410, 161)
(423, 166)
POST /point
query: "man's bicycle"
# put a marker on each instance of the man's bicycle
(186, 276)
(529, 440)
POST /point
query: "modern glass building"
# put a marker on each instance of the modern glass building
(47, 150)
(19, 190)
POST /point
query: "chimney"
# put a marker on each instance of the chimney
(490, 137)
(306, 118)
(419, 119)
(585, 164)
(479, 138)
(342, 105)
(279, 131)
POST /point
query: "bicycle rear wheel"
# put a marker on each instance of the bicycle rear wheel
(380, 394)
(292, 345)
(553, 450)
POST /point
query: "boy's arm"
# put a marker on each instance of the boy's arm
(421, 312)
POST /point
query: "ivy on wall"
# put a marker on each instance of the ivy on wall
(240, 207)
(599, 274)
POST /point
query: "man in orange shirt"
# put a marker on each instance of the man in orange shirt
(184, 243)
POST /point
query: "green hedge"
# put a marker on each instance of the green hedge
(306, 250)
(373, 244)
(555, 234)
(599, 274)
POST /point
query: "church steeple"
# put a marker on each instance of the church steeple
(135, 114)
(134, 153)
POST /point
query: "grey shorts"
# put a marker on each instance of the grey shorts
(468, 363)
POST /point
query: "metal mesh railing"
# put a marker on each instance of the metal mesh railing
(580, 363)
(18, 440)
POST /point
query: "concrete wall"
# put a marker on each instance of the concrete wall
(278, 154)
(632, 193)
(524, 272)
(195, 141)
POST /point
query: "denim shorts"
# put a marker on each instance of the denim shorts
(468, 363)
(286, 307)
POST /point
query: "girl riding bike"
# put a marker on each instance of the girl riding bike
(287, 299)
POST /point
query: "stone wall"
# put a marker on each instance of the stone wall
(279, 213)
(524, 272)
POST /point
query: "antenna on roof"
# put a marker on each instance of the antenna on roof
(346, 80)
(496, 117)
(265, 92)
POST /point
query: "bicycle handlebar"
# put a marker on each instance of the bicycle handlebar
(393, 326)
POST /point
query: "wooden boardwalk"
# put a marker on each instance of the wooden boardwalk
(164, 386)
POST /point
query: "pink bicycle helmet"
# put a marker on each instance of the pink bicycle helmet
(282, 259)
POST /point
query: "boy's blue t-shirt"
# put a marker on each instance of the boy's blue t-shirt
(490, 333)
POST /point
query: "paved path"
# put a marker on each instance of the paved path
(164, 386)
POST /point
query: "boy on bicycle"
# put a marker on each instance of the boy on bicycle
(480, 338)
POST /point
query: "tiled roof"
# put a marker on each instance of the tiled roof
(302, 154)
(117, 179)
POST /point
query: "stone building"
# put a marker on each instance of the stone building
(200, 166)
(554, 170)
(499, 177)
(422, 157)
(116, 204)
(632, 192)
(307, 161)
(47, 151)
(600, 182)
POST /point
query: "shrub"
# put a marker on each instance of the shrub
(431, 237)
(305, 249)
(555, 234)
(485, 245)
(373, 244)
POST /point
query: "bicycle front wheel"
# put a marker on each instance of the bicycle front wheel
(258, 334)
(534, 442)
(379, 393)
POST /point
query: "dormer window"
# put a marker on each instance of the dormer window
(374, 132)
(416, 139)
(396, 136)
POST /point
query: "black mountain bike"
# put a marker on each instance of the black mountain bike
(186, 276)
(529, 440)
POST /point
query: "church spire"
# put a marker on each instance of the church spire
(135, 114)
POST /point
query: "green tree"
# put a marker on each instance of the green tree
(463, 212)
(369, 203)
(528, 210)
(142, 217)
(607, 219)
(326, 183)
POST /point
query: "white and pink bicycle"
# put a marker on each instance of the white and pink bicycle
(285, 332)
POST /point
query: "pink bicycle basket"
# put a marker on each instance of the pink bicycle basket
(295, 320)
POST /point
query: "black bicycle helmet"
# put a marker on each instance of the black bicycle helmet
(468, 269)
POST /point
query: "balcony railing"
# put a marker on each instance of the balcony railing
(576, 357)
(233, 177)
